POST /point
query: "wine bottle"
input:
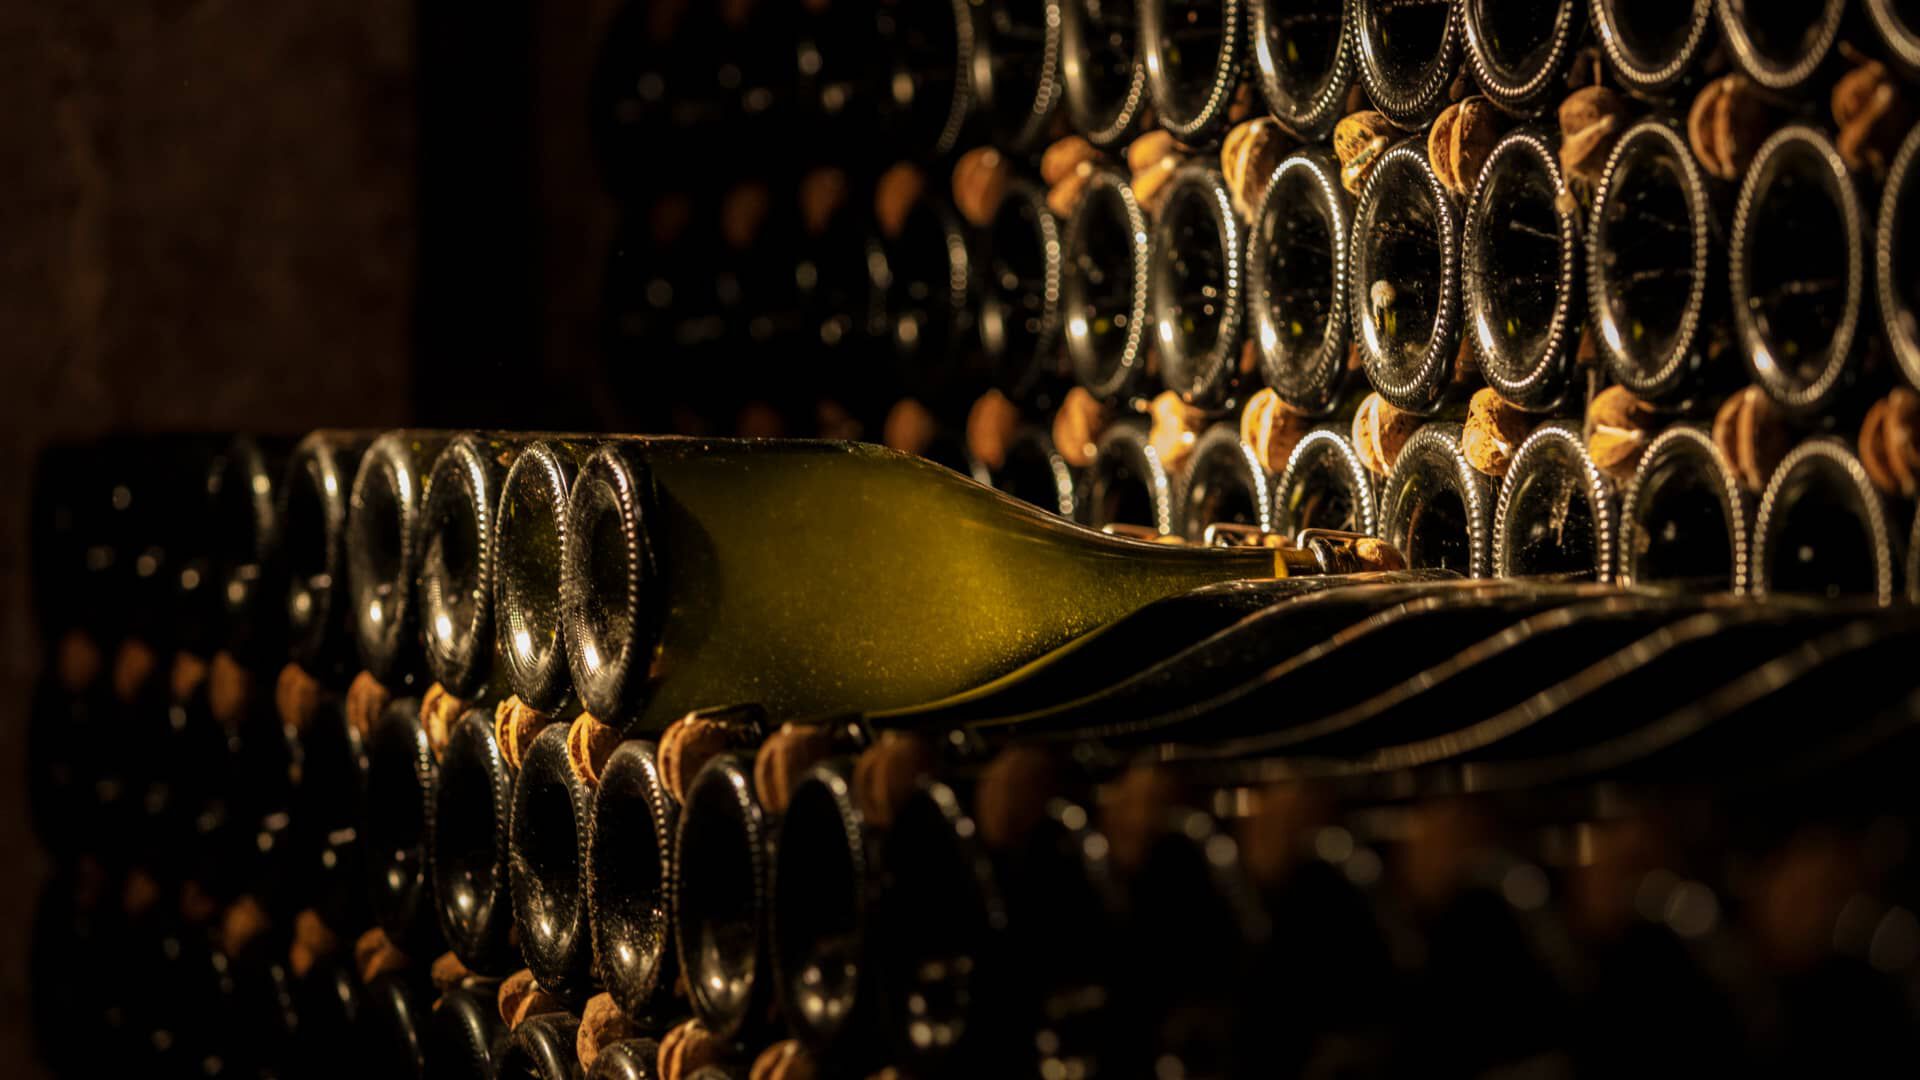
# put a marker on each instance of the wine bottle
(1016, 72)
(542, 1048)
(1102, 79)
(389, 492)
(1130, 484)
(720, 856)
(928, 49)
(1655, 50)
(822, 889)
(1304, 57)
(458, 562)
(1104, 288)
(1435, 508)
(1405, 267)
(328, 819)
(469, 835)
(926, 274)
(1196, 288)
(462, 1031)
(391, 1030)
(242, 485)
(313, 516)
(1785, 47)
(528, 532)
(1557, 512)
(1897, 31)
(401, 773)
(1407, 52)
(654, 523)
(328, 1001)
(1224, 484)
(1798, 269)
(1520, 267)
(1325, 486)
(629, 871)
(1297, 288)
(1821, 528)
(1894, 237)
(1019, 316)
(549, 834)
(1035, 473)
(1653, 291)
(1194, 54)
(1685, 517)
(1520, 50)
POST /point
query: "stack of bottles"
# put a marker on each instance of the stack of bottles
(480, 754)
(1444, 611)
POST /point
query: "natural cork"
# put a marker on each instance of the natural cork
(1132, 809)
(77, 661)
(374, 955)
(313, 941)
(1462, 138)
(229, 690)
(188, 674)
(788, 753)
(894, 195)
(1271, 428)
(1493, 432)
(699, 737)
(241, 924)
(1176, 427)
(784, 1060)
(1153, 158)
(601, 1024)
(1871, 116)
(991, 423)
(686, 1047)
(885, 774)
(439, 712)
(980, 180)
(296, 697)
(1591, 121)
(589, 744)
(1727, 124)
(1077, 427)
(515, 725)
(1380, 432)
(1754, 435)
(1358, 141)
(1248, 158)
(909, 427)
(1888, 448)
(520, 997)
(133, 665)
(1013, 794)
(367, 698)
(447, 972)
(1619, 427)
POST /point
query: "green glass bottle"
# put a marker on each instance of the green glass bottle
(821, 576)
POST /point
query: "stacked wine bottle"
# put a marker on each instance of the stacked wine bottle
(1444, 612)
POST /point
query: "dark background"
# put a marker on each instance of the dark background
(229, 213)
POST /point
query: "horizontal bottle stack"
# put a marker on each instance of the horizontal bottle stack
(486, 753)
(352, 767)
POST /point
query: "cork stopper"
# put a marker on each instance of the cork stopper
(374, 955)
(520, 997)
(885, 774)
(1132, 809)
(77, 661)
(1077, 427)
(515, 725)
(601, 1024)
(1270, 837)
(1176, 427)
(296, 697)
(1380, 432)
(185, 678)
(589, 744)
(133, 664)
(991, 422)
(700, 736)
(1271, 429)
(241, 924)
(1493, 433)
(980, 180)
(908, 427)
(1619, 427)
(1888, 448)
(439, 712)
(1013, 794)
(447, 972)
(784, 1060)
(313, 941)
(367, 698)
(782, 759)
(894, 195)
(688, 1046)
(229, 689)
(1754, 435)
